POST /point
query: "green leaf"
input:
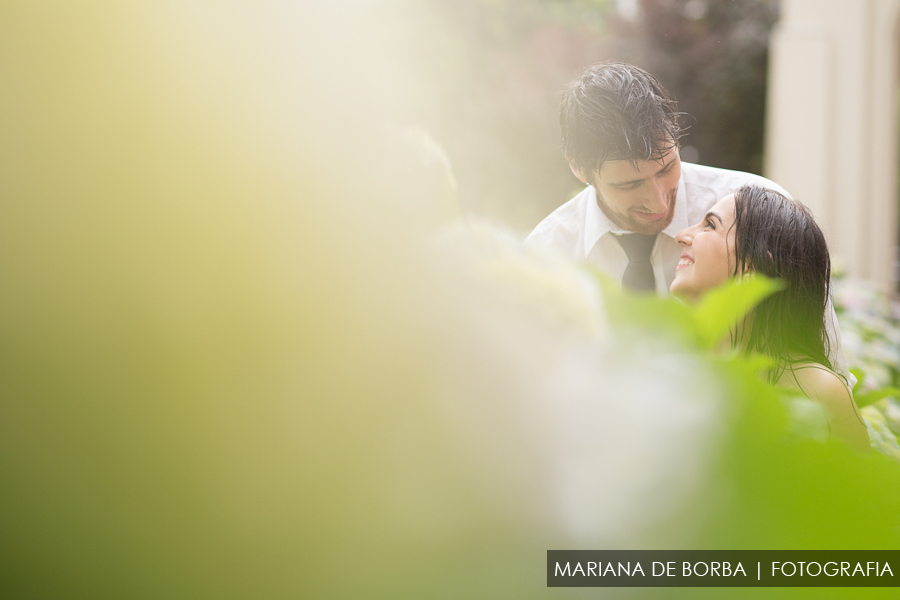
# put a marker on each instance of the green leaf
(876, 395)
(660, 315)
(725, 306)
(860, 377)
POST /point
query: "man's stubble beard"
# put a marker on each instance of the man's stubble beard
(633, 223)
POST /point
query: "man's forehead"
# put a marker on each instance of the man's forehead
(625, 169)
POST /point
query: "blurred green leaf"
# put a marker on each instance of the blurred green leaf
(875, 395)
(860, 377)
(723, 307)
(664, 316)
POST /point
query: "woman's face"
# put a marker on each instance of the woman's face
(707, 258)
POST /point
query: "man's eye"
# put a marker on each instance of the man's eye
(630, 186)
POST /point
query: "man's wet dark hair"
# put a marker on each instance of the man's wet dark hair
(617, 112)
(778, 237)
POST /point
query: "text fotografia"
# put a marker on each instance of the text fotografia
(814, 569)
(724, 568)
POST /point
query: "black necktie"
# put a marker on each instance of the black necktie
(639, 273)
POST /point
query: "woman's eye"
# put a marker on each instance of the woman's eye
(710, 224)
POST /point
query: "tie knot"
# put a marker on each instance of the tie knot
(637, 246)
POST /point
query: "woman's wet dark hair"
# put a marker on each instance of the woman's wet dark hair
(778, 237)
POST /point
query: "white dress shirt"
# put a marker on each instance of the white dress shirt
(579, 229)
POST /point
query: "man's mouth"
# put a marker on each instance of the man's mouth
(650, 217)
(685, 261)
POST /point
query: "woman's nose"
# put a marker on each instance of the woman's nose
(684, 237)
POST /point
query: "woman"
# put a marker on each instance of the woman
(759, 230)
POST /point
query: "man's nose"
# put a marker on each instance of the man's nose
(657, 200)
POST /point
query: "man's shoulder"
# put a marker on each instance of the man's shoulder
(723, 181)
(563, 226)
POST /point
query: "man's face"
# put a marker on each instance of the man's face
(642, 200)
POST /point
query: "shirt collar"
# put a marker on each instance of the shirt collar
(596, 225)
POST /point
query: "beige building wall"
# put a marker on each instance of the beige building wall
(831, 131)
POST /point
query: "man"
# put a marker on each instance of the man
(620, 135)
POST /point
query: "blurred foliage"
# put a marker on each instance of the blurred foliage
(704, 325)
(870, 329)
(780, 491)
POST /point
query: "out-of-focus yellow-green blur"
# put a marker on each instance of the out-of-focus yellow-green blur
(208, 336)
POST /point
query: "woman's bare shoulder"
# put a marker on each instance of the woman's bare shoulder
(821, 377)
(831, 391)
(822, 384)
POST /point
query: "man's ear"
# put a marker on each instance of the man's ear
(578, 172)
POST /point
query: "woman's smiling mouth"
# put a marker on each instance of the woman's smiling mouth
(685, 261)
